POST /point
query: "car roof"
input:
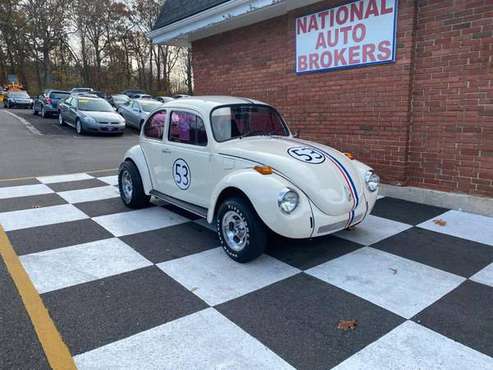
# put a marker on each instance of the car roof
(208, 103)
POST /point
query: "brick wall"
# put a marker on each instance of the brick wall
(422, 121)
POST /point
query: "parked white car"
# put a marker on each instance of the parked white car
(235, 162)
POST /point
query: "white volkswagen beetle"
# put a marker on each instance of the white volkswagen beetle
(235, 162)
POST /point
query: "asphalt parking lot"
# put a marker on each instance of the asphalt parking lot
(33, 146)
(412, 287)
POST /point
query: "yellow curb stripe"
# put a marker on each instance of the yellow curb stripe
(55, 349)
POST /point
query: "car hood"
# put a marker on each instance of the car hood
(331, 180)
(103, 116)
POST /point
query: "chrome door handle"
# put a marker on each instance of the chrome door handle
(166, 151)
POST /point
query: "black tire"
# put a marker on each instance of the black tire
(255, 231)
(138, 198)
(81, 131)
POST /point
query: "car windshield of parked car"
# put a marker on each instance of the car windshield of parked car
(149, 106)
(120, 99)
(237, 121)
(59, 95)
(95, 105)
(18, 94)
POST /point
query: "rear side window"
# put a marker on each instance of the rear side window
(187, 128)
(58, 95)
(154, 127)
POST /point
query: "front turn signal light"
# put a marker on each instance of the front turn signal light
(264, 170)
(349, 155)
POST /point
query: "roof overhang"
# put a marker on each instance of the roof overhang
(221, 18)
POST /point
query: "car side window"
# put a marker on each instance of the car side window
(187, 128)
(135, 106)
(154, 127)
(69, 101)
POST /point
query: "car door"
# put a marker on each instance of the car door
(187, 155)
(64, 109)
(72, 111)
(152, 146)
(134, 113)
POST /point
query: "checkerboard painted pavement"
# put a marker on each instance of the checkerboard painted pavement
(152, 289)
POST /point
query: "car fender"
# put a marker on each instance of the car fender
(371, 197)
(263, 191)
(136, 155)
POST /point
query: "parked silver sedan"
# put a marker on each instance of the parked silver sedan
(136, 111)
(90, 114)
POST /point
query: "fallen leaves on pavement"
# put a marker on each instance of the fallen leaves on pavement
(440, 222)
(347, 324)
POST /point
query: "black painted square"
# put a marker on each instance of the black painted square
(297, 318)
(410, 213)
(94, 314)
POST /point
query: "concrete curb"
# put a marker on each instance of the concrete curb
(28, 125)
(463, 202)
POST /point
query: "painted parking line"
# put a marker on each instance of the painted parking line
(56, 351)
(28, 125)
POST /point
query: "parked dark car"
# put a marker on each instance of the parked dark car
(17, 99)
(118, 99)
(133, 92)
(90, 114)
(179, 96)
(47, 103)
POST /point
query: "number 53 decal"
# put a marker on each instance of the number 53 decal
(182, 174)
(307, 154)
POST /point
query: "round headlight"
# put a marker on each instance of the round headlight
(288, 200)
(372, 180)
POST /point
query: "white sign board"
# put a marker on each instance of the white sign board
(355, 34)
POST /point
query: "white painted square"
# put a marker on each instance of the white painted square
(64, 178)
(203, 340)
(397, 284)
(463, 225)
(26, 218)
(412, 346)
(64, 267)
(485, 276)
(110, 180)
(90, 195)
(372, 230)
(24, 191)
(142, 220)
(216, 278)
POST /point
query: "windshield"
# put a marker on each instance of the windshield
(149, 106)
(59, 95)
(95, 105)
(238, 121)
(120, 98)
(19, 94)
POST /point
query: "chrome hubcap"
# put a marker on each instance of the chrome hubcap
(235, 230)
(127, 186)
(60, 119)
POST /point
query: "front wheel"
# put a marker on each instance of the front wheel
(242, 234)
(78, 127)
(131, 187)
(60, 119)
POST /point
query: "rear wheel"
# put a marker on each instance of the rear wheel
(131, 187)
(242, 234)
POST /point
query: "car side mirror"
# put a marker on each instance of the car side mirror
(297, 133)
